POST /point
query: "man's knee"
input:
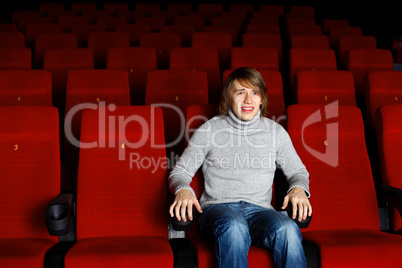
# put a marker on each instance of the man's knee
(290, 232)
(233, 229)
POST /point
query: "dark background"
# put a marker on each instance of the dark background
(381, 19)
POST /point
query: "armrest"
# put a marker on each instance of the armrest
(59, 214)
(181, 225)
(393, 196)
(303, 223)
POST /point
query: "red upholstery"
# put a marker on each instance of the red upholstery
(310, 59)
(389, 137)
(30, 179)
(82, 31)
(15, 58)
(274, 9)
(309, 41)
(182, 8)
(331, 143)
(163, 43)
(264, 40)
(12, 39)
(248, 8)
(197, 115)
(313, 29)
(174, 90)
(68, 21)
(346, 42)
(226, 29)
(92, 14)
(44, 8)
(45, 41)
(137, 61)
(381, 87)
(25, 88)
(214, 8)
(111, 22)
(185, 32)
(86, 88)
(306, 11)
(8, 27)
(202, 59)
(222, 41)
(167, 15)
(196, 22)
(100, 42)
(360, 61)
(323, 87)
(228, 21)
(326, 23)
(33, 29)
(17, 14)
(147, 8)
(276, 102)
(135, 234)
(255, 57)
(334, 32)
(78, 8)
(24, 21)
(60, 62)
(134, 32)
(116, 7)
(258, 28)
(267, 20)
(155, 22)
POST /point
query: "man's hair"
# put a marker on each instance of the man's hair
(246, 77)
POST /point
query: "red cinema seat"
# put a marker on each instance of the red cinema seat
(261, 28)
(134, 31)
(25, 88)
(331, 143)
(389, 140)
(137, 61)
(59, 62)
(275, 9)
(238, 22)
(274, 84)
(111, 22)
(115, 7)
(82, 31)
(310, 59)
(68, 21)
(162, 43)
(78, 7)
(346, 42)
(18, 14)
(156, 23)
(303, 29)
(45, 41)
(225, 29)
(334, 32)
(222, 41)
(381, 88)
(185, 32)
(115, 174)
(12, 39)
(30, 179)
(213, 8)
(173, 90)
(196, 21)
(326, 23)
(254, 57)
(8, 27)
(33, 29)
(15, 58)
(87, 89)
(182, 8)
(309, 41)
(264, 18)
(323, 87)
(44, 8)
(100, 42)
(147, 8)
(201, 59)
(307, 11)
(93, 15)
(360, 61)
(264, 40)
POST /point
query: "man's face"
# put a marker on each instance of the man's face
(245, 101)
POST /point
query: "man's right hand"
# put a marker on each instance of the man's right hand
(184, 201)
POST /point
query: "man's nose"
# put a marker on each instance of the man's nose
(247, 98)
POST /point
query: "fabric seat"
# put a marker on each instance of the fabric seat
(331, 143)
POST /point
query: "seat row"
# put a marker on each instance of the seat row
(120, 212)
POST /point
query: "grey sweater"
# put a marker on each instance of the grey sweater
(239, 159)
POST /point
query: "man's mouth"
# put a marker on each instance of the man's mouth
(247, 109)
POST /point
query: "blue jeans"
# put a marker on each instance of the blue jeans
(236, 226)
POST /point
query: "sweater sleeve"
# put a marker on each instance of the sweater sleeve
(190, 161)
(289, 161)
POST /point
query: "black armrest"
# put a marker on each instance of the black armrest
(59, 214)
(303, 223)
(181, 225)
(393, 196)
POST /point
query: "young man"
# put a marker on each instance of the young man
(239, 151)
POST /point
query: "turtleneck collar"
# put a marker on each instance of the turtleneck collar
(244, 126)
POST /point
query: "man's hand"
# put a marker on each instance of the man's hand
(300, 202)
(184, 201)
